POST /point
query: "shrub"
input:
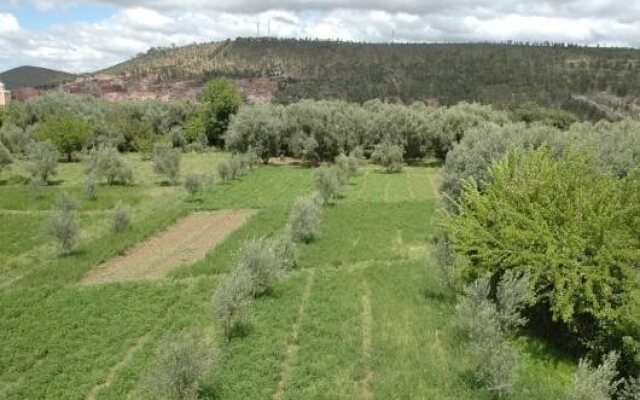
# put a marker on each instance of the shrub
(107, 162)
(176, 137)
(596, 383)
(43, 161)
(326, 182)
(121, 219)
(388, 155)
(166, 161)
(16, 139)
(258, 258)
(286, 250)
(62, 224)
(495, 360)
(225, 171)
(193, 183)
(540, 216)
(343, 169)
(232, 301)
(305, 219)
(514, 295)
(180, 367)
(630, 390)
(91, 187)
(5, 157)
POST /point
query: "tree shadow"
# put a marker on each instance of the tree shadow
(240, 330)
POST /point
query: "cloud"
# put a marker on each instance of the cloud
(140, 24)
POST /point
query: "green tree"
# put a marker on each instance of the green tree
(68, 133)
(220, 100)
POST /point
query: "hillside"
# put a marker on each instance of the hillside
(501, 74)
(28, 76)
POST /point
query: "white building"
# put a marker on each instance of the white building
(5, 95)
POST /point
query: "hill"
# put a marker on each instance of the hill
(501, 74)
(28, 76)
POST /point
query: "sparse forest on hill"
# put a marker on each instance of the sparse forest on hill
(500, 74)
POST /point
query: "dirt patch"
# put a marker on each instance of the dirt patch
(183, 243)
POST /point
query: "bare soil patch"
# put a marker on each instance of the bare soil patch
(183, 243)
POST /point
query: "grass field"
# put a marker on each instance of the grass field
(364, 317)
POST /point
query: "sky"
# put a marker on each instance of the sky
(87, 35)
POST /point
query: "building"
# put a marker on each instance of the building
(5, 95)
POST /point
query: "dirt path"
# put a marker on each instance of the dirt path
(183, 243)
(114, 369)
(291, 352)
(367, 326)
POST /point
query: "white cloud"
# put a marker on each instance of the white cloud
(140, 24)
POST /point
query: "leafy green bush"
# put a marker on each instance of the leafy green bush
(220, 100)
(42, 161)
(166, 161)
(389, 156)
(107, 162)
(68, 132)
(180, 367)
(327, 183)
(566, 224)
(232, 301)
(305, 218)
(555, 117)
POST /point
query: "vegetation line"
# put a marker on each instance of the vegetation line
(112, 371)
(367, 322)
(292, 347)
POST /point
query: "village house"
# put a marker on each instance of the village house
(5, 95)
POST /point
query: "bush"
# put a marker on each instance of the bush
(42, 161)
(630, 390)
(193, 183)
(176, 137)
(343, 168)
(91, 187)
(327, 184)
(107, 162)
(259, 259)
(180, 367)
(166, 161)
(121, 219)
(542, 216)
(305, 219)
(69, 133)
(225, 171)
(389, 156)
(16, 139)
(62, 224)
(596, 383)
(232, 301)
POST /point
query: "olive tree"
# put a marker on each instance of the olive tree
(62, 223)
(388, 155)
(107, 162)
(305, 218)
(166, 161)
(327, 183)
(232, 301)
(42, 160)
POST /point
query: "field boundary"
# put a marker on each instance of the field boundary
(367, 333)
(291, 351)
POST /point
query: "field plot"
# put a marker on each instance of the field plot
(183, 243)
(364, 317)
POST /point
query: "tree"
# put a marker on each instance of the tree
(389, 156)
(305, 218)
(258, 127)
(259, 259)
(232, 301)
(68, 133)
(220, 100)
(107, 162)
(548, 218)
(62, 224)
(596, 383)
(42, 161)
(166, 161)
(181, 366)
(193, 183)
(5, 157)
(120, 218)
(327, 184)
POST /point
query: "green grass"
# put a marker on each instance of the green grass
(61, 340)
